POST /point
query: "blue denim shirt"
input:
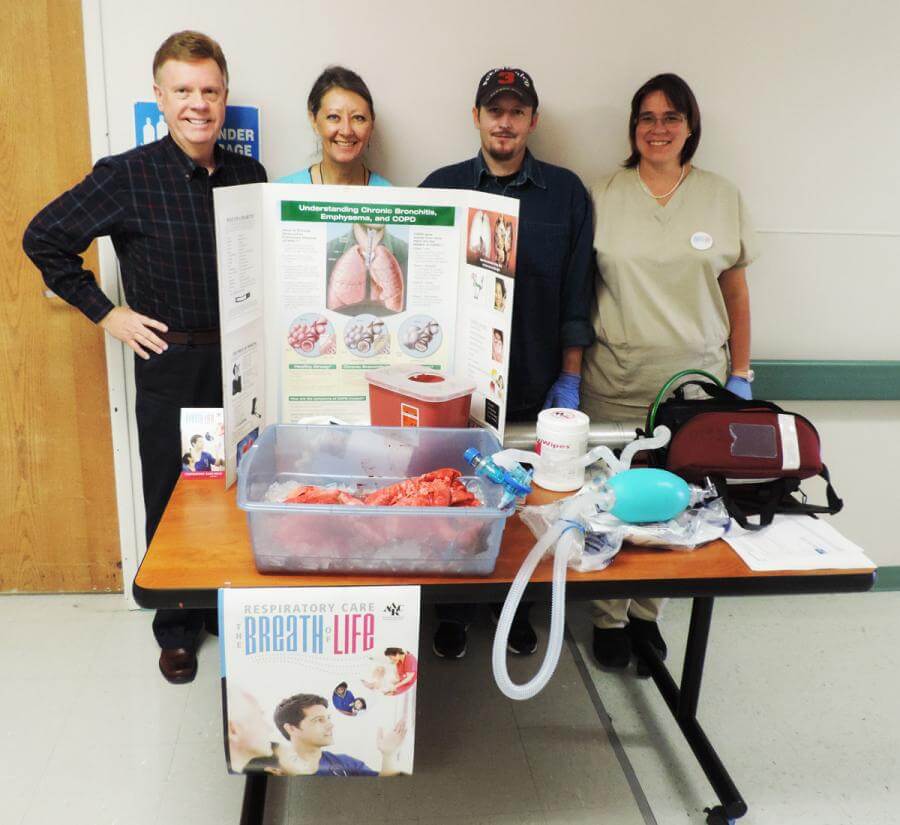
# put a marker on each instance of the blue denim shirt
(554, 270)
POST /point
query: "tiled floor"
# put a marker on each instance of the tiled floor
(799, 697)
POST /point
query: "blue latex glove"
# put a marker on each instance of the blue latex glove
(564, 392)
(740, 387)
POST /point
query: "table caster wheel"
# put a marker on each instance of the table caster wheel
(717, 816)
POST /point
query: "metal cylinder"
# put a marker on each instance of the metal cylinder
(521, 436)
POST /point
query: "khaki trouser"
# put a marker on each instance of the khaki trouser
(607, 613)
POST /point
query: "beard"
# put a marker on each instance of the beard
(500, 155)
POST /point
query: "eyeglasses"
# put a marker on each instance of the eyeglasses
(670, 120)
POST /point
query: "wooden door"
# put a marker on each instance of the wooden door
(58, 523)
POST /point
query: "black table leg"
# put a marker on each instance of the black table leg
(254, 805)
(683, 705)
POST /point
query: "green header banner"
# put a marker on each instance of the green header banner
(377, 213)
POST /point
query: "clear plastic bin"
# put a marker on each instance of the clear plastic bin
(305, 538)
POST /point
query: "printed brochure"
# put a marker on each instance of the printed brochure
(202, 442)
(319, 680)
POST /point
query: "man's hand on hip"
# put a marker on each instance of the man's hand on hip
(136, 330)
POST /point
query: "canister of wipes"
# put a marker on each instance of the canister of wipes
(561, 434)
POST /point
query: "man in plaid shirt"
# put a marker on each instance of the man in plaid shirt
(156, 204)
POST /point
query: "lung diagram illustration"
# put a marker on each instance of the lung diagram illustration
(367, 274)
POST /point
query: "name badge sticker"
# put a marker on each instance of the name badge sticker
(701, 241)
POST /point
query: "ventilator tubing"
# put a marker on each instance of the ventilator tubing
(557, 619)
(568, 537)
(661, 435)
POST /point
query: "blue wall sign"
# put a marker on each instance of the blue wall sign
(239, 134)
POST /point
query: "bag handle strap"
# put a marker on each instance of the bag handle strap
(766, 511)
(835, 503)
(781, 501)
(718, 392)
(654, 407)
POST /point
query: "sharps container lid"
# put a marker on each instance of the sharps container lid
(421, 384)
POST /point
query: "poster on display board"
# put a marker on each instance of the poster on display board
(320, 284)
(319, 680)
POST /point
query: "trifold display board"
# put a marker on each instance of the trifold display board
(320, 284)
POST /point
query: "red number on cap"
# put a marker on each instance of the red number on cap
(505, 78)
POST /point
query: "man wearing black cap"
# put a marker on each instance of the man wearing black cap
(553, 279)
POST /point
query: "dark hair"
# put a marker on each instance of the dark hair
(190, 47)
(499, 282)
(682, 98)
(339, 686)
(363, 701)
(195, 437)
(394, 651)
(338, 77)
(292, 711)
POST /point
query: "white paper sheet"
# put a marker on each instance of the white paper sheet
(797, 543)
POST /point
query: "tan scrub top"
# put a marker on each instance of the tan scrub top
(658, 306)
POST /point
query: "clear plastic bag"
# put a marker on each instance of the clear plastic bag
(596, 535)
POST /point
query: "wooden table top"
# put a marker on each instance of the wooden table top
(203, 543)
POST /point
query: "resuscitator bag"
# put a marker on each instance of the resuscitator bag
(596, 536)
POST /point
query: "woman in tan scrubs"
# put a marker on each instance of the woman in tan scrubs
(673, 243)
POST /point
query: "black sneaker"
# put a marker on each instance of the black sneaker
(612, 647)
(450, 640)
(642, 630)
(522, 639)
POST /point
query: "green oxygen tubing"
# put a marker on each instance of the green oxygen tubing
(654, 407)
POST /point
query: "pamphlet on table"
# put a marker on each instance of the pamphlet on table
(202, 442)
(319, 680)
(320, 284)
(797, 543)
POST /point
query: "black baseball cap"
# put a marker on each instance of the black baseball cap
(506, 79)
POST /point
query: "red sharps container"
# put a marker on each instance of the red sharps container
(407, 396)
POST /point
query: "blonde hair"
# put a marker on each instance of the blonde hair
(189, 47)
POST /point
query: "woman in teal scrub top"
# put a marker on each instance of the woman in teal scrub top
(342, 114)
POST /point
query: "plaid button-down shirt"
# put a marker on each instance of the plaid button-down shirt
(156, 204)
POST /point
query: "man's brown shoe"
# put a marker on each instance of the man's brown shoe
(178, 665)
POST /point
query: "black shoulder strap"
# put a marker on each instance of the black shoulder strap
(765, 500)
(834, 505)
(721, 394)
(762, 500)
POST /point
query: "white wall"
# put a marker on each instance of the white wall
(800, 108)
(861, 446)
